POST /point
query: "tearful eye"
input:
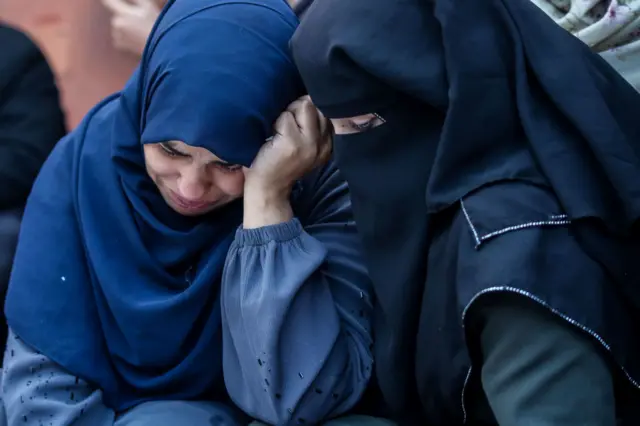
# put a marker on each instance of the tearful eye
(359, 124)
(228, 168)
(362, 125)
(167, 151)
(170, 151)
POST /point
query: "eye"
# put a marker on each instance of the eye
(358, 124)
(362, 124)
(170, 151)
(228, 168)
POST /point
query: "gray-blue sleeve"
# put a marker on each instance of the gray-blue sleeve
(36, 391)
(296, 307)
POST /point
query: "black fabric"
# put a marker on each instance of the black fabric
(512, 238)
(9, 230)
(472, 93)
(31, 119)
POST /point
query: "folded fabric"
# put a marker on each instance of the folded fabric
(609, 27)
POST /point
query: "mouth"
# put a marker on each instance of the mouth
(186, 205)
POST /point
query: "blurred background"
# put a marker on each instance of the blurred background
(93, 45)
(88, 43)
(75, 36)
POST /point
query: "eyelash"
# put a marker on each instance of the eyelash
(167, 150)
(363, 126)
(172, 153)
(228, 168)
(375, 121)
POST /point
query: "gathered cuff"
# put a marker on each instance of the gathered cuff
(280, 232)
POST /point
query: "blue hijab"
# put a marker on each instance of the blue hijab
(109, 282)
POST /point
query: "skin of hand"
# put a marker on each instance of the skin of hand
(132, 22)
(303, 141)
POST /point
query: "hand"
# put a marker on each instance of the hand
(302, 142)
(132, 23)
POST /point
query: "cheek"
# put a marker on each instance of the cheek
(163, 169)
(159, 167)
(231, 184)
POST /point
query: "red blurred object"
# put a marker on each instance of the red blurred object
(75, 36)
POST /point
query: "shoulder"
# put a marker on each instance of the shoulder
(99, 119)
(59, 170)
(19, 53)
(16, 42)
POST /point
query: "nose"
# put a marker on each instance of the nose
(193, 184)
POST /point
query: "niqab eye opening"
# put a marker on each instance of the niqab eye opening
(358, 124)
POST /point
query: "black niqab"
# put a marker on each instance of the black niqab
(472, 93)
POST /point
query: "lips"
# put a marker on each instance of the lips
(186, 204)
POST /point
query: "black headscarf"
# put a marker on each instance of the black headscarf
(472, 92)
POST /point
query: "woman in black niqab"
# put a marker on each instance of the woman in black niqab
(494, 168)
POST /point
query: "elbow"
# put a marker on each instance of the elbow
(273, 409)
(319, 406)
(333, 392)
(281, 414)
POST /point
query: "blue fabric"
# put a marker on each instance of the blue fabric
(124, 290)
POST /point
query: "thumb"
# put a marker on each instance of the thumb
(120, 7)
(118, 23)
(146, 4)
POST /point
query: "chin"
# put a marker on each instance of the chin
(196, 212)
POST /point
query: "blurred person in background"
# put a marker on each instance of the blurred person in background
(132, 21)
(493, 162)
(609, 27)
(31, 122)
(190, 242)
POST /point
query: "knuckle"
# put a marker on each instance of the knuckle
(305, 102)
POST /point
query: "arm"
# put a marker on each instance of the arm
(36, 391)
(296, 309)
(31, 121)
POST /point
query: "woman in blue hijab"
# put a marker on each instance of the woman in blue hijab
(166, 250)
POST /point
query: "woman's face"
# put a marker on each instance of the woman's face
(192, 180)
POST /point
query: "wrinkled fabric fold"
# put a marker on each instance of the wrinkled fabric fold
(609, 27)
